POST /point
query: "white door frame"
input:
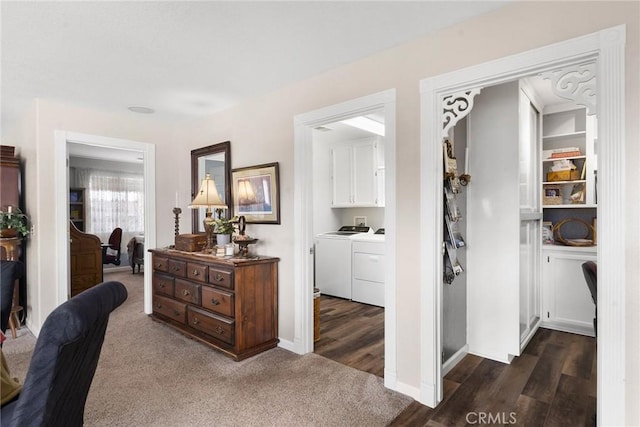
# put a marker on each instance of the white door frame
(303, 213)
(606, 47)
(61, 209)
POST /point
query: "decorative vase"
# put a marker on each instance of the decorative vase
(222, 239)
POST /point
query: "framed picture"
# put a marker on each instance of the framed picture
(256, 193)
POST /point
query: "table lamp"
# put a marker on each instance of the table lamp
(208, 197)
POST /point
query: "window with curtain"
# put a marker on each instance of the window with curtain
(115, 199)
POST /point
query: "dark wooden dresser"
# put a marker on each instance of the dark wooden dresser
(230, 304)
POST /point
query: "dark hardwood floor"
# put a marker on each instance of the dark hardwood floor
(553, 383)
(352, 334)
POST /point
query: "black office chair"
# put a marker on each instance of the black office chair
(64, 360)
(115, 241)
(590, 270)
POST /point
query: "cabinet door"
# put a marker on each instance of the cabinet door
(567, 301)
(342, 175)
(364, 171)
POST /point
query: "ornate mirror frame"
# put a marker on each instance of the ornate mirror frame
(207, 159)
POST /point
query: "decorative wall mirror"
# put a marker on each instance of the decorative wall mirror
(216, 161)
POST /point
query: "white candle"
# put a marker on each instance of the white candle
(176, 205)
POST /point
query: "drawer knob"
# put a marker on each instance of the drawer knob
(176, 268)
(195, 321)
(161, 285)
(196, 273)
(176, 312)
(219, 277)
(215, 301)
(219, 330)
(159, 265)
(185, 293)
(158, 306)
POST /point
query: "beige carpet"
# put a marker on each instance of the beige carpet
(150, 374)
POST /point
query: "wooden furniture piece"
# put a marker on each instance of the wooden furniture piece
(77, 212)
(11, 194)
(228, 304)
(86, 260)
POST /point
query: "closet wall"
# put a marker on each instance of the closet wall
(454, 296)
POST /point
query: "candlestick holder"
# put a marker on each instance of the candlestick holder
(176, 213)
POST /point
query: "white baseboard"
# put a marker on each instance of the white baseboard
(428, 395)
(454, 360)
(572, 329)
(408, 390)
(288, 345)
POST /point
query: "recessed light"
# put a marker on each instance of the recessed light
(140, 109)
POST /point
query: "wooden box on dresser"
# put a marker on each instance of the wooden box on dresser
(230, 304)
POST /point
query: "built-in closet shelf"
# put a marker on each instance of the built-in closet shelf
(564, 136)
(582, 249)
(565, 158)
(574, 206)
(575, 181)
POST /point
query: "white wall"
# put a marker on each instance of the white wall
(261, 131)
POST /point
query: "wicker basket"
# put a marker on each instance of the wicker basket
(588, 239)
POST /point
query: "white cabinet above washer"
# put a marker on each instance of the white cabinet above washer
(356, 167)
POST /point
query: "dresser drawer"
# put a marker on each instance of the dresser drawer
(160, 263)
(177, 268)
(217, 326)
(187, 291)
(221, 278)
(162, 284)
(169, 308)
(217, 300)
(197, 272)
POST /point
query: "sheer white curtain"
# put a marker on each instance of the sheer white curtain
(114, 199)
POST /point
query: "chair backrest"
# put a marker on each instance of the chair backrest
(115, 239)
(65, 359)
(11, 271)
(590, 270)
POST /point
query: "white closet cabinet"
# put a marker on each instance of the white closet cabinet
(567, 303)
(356, 167)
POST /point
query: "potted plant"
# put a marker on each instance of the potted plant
(224, 228)
(13, 223)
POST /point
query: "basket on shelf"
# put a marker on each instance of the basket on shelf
(552, 195)
(588, 240)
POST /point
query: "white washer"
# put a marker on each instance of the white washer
(333, 260)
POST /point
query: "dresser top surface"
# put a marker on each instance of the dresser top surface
(208, 258)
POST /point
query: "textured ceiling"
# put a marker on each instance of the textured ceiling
(189, 59)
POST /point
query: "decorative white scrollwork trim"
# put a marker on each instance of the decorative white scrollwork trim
(456, 107)
(576, 83)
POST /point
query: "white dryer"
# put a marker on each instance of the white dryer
(333, 260)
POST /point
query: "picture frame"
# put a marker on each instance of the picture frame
(256, 193)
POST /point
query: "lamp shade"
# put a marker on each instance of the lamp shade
(208, 196)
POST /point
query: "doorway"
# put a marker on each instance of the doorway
(304, 218)
(606, 49)
(348, 225)
(62, 140)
